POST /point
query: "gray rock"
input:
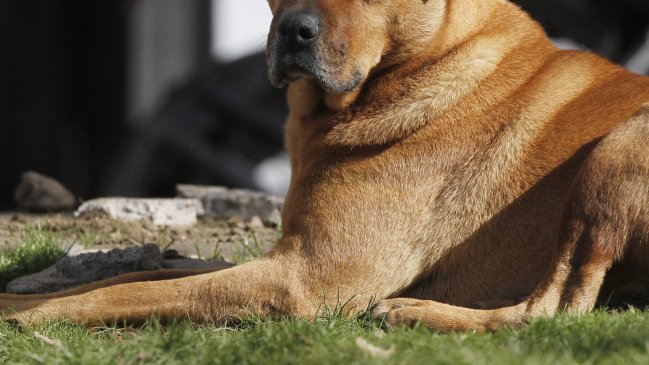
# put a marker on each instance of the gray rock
(46, 281)
(40, 193)
(161, 212)
(87, 267)
(222, 202)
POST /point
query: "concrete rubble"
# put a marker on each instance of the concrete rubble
(192, 202)
(223, 202)
(160, 212)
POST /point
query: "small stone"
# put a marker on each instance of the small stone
(237, 231)
(275, 218)
(256, 222)
(40, 193)
(236, 222)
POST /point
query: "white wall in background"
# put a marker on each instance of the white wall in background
(239, 27)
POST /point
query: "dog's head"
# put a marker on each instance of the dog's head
(338, 43)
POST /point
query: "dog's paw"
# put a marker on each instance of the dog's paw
(398, 312)
(20, 313)
(16, 321)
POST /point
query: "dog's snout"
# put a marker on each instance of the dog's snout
(297, 30)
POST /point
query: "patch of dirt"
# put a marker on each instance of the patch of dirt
(231, 239)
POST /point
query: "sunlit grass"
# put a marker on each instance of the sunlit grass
(598, 338)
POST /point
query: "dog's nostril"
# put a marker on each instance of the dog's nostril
(306, 33)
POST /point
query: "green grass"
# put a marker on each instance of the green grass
(599, 338)
(39, 249)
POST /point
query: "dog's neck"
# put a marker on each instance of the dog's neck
(427, 83)
(440, 27)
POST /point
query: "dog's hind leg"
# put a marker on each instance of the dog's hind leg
(154, 275)
(266, 286)
(606, 215)
(606, 220)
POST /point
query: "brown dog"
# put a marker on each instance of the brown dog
(446, 155)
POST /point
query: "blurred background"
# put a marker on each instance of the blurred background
(130, 97)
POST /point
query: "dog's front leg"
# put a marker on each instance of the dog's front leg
(267, 286)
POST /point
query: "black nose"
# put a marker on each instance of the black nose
(297, 30)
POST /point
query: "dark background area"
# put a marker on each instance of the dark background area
(64, 89)
(62, 83)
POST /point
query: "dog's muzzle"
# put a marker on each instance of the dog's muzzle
(295, 47)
